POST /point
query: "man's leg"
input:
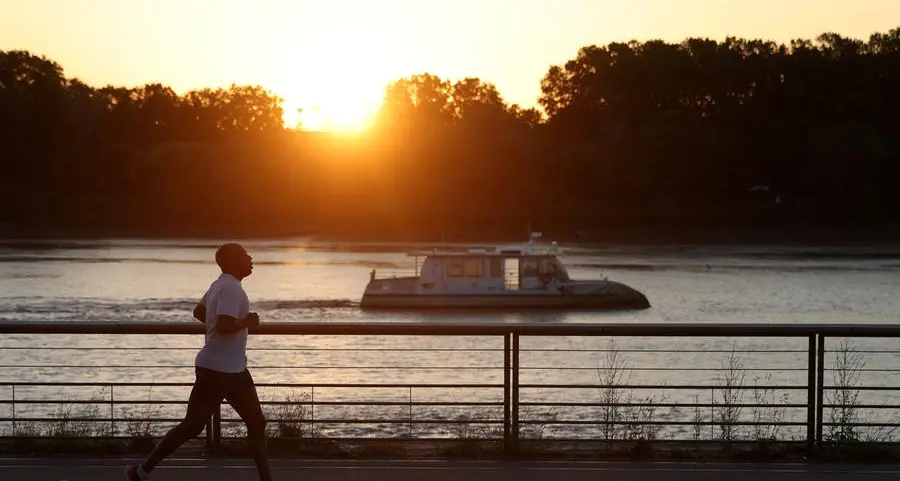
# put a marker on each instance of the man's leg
(245, 401)
(204, 399)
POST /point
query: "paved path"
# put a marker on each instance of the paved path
(294, 470)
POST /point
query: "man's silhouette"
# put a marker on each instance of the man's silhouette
(221, 366)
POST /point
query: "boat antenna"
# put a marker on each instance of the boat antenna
(531, 238)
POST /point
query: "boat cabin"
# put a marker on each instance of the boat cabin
(488, 271)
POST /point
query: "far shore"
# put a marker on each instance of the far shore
(825, 236)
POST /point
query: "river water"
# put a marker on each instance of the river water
(306, 280)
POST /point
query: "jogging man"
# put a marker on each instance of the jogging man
(221, 366)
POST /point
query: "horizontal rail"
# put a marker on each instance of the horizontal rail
(468, 329)
(450, 349)
(315, 403)
(264, 384)
(405, 368)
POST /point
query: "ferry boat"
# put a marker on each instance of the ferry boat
(508, 278)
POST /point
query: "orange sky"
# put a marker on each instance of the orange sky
(334, 58)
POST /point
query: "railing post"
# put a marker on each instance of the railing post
(208, 448)
(811, 393)
(507, 395)
(217, 429)
(820, 387)
(214, 433)
(15, 432)
(514, 408)
(112, 410)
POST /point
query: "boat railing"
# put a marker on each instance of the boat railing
(380, 274)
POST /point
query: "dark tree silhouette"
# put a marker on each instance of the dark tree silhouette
(735, 135)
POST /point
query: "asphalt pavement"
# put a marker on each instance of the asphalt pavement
(31, 469)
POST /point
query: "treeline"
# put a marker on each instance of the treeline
(734, 134)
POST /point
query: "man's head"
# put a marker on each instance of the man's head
(234, 260)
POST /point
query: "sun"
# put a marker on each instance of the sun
(336, 98)
(342, 113)
(338, 85)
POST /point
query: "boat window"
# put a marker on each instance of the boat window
(548, 266)
(454, 268)
(496, 267)
(561, 273)
(529, 267)
(474, 267)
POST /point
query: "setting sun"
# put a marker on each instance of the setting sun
(336, 113)
(341, 97)
(339, 84)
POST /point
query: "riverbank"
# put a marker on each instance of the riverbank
(834, 235)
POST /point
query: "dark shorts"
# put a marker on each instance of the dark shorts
(214, 386)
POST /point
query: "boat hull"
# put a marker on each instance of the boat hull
(503, 301)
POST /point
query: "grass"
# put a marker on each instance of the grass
(627, 417)
(727, 399)
(628, 424)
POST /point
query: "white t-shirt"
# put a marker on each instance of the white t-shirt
(224, 352)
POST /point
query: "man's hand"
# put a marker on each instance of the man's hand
(252, 320)
(200, 313)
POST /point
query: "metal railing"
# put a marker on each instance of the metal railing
(512, 383)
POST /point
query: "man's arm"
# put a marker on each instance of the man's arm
(200, 309)
(227, 308)
(226, 324)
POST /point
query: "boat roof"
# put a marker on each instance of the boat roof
(529, 249)
(481, 253)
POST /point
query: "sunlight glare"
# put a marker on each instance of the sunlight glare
(339, 83)
(336, 111)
